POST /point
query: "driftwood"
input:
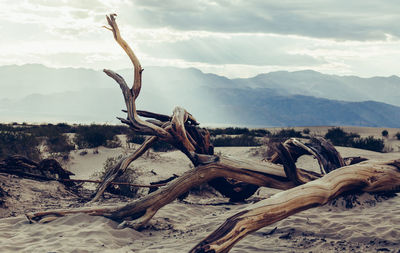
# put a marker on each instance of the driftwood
(303, 189)
(366, 176)
(139, 212)
(51, 170)
(47, 169)
(233, 178)
(159, 183)
(327, 156)
(180, 130)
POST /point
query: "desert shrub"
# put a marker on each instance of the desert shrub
(306, 131)
(114, 143)
(339, 137)
(46, 130)
(19, 143)
(120, 129)
(385, 133)
(259, 132)
(261, 151)
(8, 128)
(397, 135)
(128, 176)
(58, 143)
(94, 135)
(369, 143)
(161, 146)
(237, 141)
(135, 138)
(64, 127)
(88, 139)
(228, 130)
(237, 131)
(287, 133)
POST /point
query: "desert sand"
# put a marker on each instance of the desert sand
(353, 223)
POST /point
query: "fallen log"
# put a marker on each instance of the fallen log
(327, 156)
(159, 183)
(137, 213)
(236, 179)
(366, 176)
(47, 169)
(179, 130)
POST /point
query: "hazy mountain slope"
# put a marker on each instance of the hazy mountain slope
(37, 93)
(20, 81)
(312, 83)
(260, 107)
(250, 107)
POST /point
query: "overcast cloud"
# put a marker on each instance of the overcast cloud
(336, 19)
(228, 37)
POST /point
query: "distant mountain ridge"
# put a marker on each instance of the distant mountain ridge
(312, 83)
(303, 98)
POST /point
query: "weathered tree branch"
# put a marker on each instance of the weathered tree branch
(121, 167)
(168, 129)
(47, 169)
(153, 115)
(294, 174)
(367, 177)
(140, 211)
(181, 131)
(138, 124)
(137, 83)
(327, 156)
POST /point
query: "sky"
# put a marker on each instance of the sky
(234, 38)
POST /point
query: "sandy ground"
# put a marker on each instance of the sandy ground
(371, 225)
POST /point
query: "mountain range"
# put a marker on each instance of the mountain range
(35, 93)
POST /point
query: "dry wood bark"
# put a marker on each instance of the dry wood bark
(47, 169)
(327, 156)
(366, 176)
(139, 212)
(180, 130)
(121, 167)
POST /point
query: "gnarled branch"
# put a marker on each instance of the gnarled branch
(180, 130)
(141, 210)
(367, 177)
(137, 83)
(134, 120)
(121, 167)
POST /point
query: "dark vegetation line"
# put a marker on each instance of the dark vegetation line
(339, 137)
(24, 139)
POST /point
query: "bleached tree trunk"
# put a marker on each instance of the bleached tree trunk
(366, 176)
(181, 130)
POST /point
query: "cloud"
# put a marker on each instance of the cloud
(336, 19)
(248, 49)
(232, 38)
(60, 19)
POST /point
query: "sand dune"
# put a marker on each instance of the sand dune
(371, 225)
